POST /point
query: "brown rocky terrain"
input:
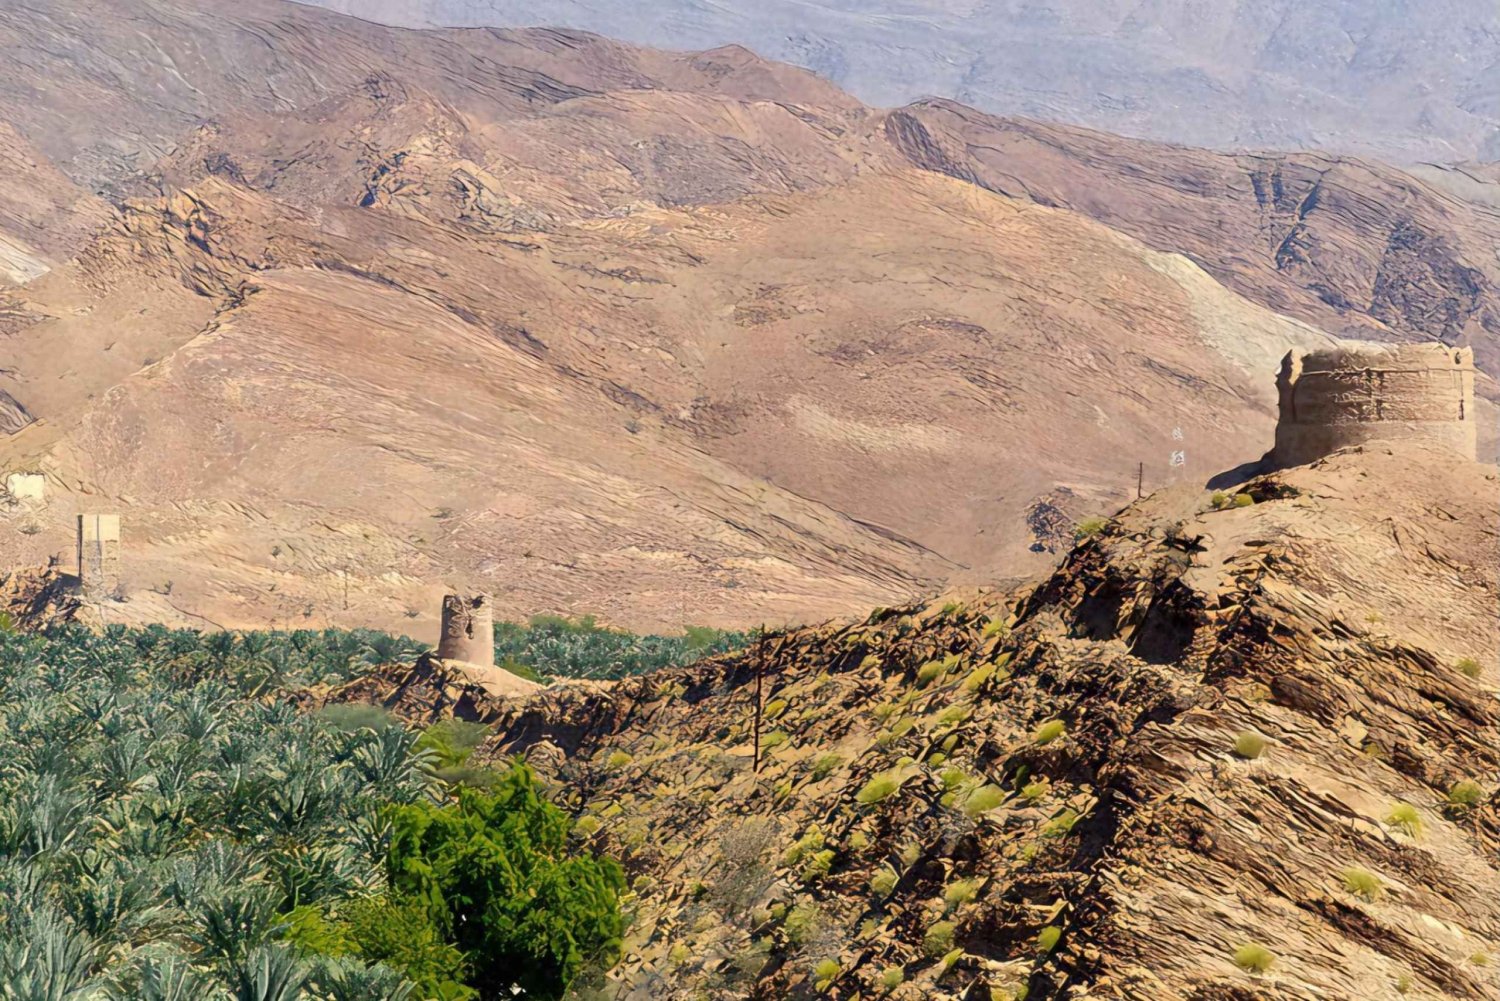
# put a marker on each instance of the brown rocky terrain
(1207, 730)
(337, 316)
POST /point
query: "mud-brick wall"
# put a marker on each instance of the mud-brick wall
(468, 629)
(1335, 398)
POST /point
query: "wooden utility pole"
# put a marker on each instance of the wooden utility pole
(760, 670)
(1140, 480)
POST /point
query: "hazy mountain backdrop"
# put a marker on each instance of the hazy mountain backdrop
(1407, 80)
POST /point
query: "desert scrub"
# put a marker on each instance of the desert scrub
(811, 841)
(1406, 818)
(891, 978)
(979, 677)
(1468, 667)
(952, 778)
(1465, 795)
(1089, 527)
(773, 740)
(858, 841)
(774, 708)
(1035, 792)
(953, 716)
(825, 766)
(1061, 825)
(1254, 958)
(825, 973)
(1363, 883)
(1219, 500)
(1047, 939)
(818, 866)
(883, 881)
(617, 760)
(938, 940)
(960, 892)
(878, 789)
(928, 673)
(996, 627)
(983, 800)
(1243, 500)
(1249, 745)
(801, 923)
(1048, 732)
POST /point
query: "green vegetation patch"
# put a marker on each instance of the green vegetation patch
(552, 646)
(171, 826)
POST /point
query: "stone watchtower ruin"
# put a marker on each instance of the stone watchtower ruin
(468, 630)
(99, 554)
(1369, 393)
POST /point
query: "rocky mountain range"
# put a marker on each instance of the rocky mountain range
(338, 315)
(1397, 79)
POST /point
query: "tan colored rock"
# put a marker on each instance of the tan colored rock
(468, 630)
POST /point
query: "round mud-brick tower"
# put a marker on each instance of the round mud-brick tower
(468, 629)
(1370, 393)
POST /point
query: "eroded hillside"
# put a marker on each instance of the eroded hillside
(1232, 753)
(342, 316)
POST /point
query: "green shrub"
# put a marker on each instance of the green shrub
(883, 881)
(1035, 792)
(1407, 818)
(1403, 984)
(1061, 825)
(825, 973)
(1219, 500)
(1049, 731)
(1047, 939)
(1254, 958)
(1468, 667)
(773, 740)
(825, 766)
(801, 923)
(1363, 883)
(952, 778)
(818, 866)
(928, 673)
(811, 841)
(1465, 795)
(978, 677)
(774, 708)
(1243, 500)
(960, 892)
(891, 978)
(1249, 745)
(1089, 527)
(880, 788)
(953, 715)
(938, 939)
(983, 800)
(996, 627)
(452, 741)
(617, 760)
(348, 717)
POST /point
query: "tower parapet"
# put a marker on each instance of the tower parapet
(1360, 394)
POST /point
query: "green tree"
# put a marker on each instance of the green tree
(494, 871)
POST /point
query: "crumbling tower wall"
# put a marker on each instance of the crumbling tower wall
(1361, 394)
(468, 629)
(99, 554)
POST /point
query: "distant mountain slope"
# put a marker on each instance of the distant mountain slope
(339, 315)
(1401, 79)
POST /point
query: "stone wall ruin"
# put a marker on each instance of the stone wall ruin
(468, 630)
(1360, 394)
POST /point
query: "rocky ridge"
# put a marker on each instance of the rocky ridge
(1222, 736)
